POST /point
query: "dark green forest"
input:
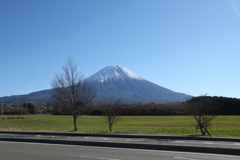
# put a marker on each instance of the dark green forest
(221, 105)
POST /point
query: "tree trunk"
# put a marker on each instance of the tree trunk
(201, 128)
(110, 127)
(75, 122)
(206, 130)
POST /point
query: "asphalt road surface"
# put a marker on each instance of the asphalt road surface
(37, 151)
(196, 143)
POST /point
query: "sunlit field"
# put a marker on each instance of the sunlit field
(225, 126)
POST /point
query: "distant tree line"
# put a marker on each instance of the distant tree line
(20, 108)
(221, 105)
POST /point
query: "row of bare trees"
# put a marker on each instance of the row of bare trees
(72, 94)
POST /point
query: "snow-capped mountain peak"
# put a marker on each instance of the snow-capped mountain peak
(113, 73)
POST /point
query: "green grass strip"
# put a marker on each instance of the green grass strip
(223, 126)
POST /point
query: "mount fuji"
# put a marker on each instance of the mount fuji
(118, 82)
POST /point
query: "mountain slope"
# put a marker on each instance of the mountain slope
(118, 82)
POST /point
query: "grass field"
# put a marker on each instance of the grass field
(225, 126)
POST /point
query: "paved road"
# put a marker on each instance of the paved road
(38, 151)
(196, 143)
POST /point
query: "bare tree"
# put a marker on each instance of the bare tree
(71, 92)
(202, 109)
(111, 110)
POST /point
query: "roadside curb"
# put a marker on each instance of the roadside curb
(124, 135)
(227, 151)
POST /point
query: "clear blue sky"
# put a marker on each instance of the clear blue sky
(187, 46)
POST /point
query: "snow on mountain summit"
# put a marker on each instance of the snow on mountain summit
(113, 73)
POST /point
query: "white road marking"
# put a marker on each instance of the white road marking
(208, 142)
(186, 158)
(179, 141)
(71, 155)
(216, 143)
(44, 136)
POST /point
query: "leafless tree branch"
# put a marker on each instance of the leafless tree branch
(111, 110)
(202, 110)
(71, 92)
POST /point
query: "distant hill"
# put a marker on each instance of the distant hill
(118, 82)
(39, 96)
